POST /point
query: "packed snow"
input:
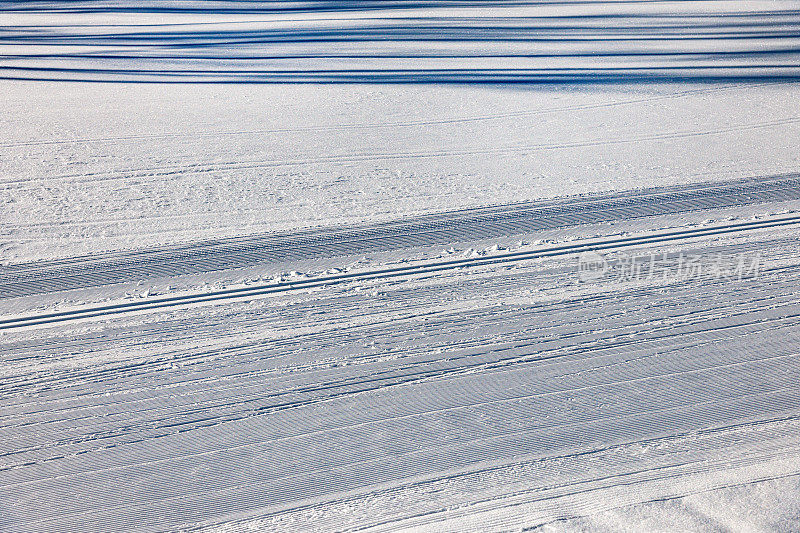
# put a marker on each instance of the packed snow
(399, 266)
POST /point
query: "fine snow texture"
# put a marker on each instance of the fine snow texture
(500, 390)
(93, 167)
(553, 99)
(399, 266)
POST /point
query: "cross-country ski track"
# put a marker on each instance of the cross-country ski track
(396, 272)
(439, 229)
(449, 393)
(400, 265)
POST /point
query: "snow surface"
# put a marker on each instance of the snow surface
(321, 266)
(86, 167)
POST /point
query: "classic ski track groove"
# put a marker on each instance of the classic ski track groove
(470, 224)
(689, 357)
(454, 380)
(322, 281)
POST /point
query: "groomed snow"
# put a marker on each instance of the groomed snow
(604, 96)
(399, 266)
(92, 167)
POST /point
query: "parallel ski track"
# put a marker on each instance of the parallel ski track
(393, 272)
(444, 228)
